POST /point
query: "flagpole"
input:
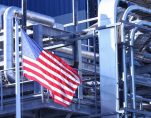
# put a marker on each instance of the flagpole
(17, 72)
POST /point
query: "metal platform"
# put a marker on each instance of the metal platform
(33, 103)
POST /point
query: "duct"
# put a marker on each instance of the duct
(8, 35)
(126, 13)
(132, 35)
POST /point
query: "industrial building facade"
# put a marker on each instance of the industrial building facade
(107, 41)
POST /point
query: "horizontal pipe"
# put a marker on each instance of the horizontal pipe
(82, 21)
(37, 17)
(33, 16)
(134, 8)
(85, 54)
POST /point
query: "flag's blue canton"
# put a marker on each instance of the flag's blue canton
(31, 48)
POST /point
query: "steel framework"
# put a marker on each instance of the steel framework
(116, 81)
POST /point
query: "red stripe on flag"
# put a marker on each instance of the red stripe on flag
(65, 67)
(59, 72)
(53, 91)
(61, 96)
(62, 103)
(51, 83)
(37, 80)
(49, 74)
(63, 62)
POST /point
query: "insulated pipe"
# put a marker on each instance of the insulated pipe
(37, 17)
(33, 16)
(132, 35)
(85, 54)
(8, 35)
(125, 15)
(2, 9)
(8, 43)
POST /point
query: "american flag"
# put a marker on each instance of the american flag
(50, 71)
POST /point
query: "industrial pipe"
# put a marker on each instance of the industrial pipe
(24, 14)
(8, 43)
(2, 9)
(132, 35)
(125, 15)
(8, 35)
(85, 54)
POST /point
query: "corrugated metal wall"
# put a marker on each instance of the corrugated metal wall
(49, 7)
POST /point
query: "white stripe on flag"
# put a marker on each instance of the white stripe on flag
(61, 65)
(51, 72)
(61, 100)
(46, 76)
(57, 68)
(46, 83)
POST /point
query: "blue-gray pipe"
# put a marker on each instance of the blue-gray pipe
(2, 10)
(124, 18)
(8, 43)
(8, 35)
(132, 35)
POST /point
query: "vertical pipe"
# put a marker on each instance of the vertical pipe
(98, 2)
(87, 11)
(8, 44)
(75, 10)
(2, 10)
(94, 49)
(77, 47)
(125, 15)
(132, 69)
(75, 19)
(24, 14)
(38, 36)
(8, 35)
(1, 91)
(17, 74)
(124, 74)
(87, 17)
(75, 14)
(88, 24)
